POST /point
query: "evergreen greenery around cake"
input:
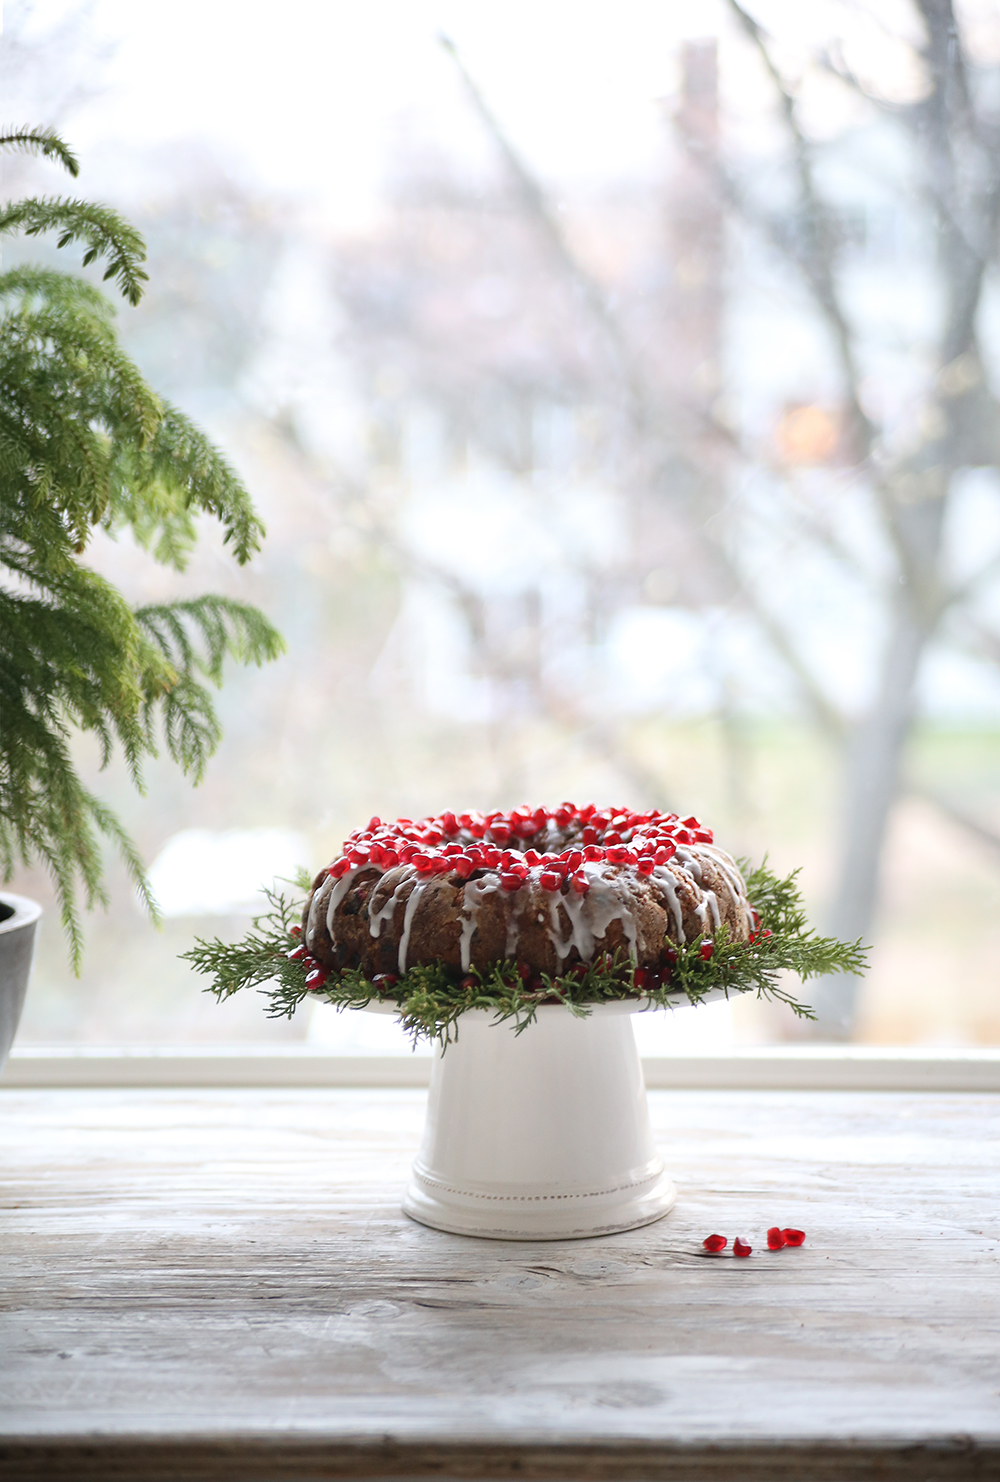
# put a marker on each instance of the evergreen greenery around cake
(430, 998)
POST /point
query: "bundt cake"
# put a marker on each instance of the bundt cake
(548, 889)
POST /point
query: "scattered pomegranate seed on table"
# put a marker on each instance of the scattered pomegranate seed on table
(740, 1247)
(794, 1237)
(715, 1243)
(775, 1238)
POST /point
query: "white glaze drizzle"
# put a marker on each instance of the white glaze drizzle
(591, 914)
(472, 899)
(667, 882)
(387, 911)
(412, 902)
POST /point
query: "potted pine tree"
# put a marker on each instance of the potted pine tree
(86, 445)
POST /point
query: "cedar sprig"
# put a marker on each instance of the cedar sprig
(431, 997)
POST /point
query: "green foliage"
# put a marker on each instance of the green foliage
(85, 444)
(430, 997)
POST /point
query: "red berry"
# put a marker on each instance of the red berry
(794, 1237)
(775, 1238)
(715, 1243)
(740, 1247)
(705, 950)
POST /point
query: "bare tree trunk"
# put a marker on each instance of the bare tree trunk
(871, 783)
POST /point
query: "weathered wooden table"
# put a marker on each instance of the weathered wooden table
(221, 1285)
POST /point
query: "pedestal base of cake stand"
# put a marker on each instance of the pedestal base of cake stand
(542, 1135)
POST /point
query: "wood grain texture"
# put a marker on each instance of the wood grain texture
(220, 1285)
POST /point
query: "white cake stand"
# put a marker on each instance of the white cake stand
(542, 1135)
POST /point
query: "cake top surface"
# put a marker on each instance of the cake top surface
(556, 843)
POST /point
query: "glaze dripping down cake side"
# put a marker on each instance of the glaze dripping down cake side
(547, 888)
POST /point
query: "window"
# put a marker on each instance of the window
(597, 459)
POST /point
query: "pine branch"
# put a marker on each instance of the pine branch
(431, 997)
(105, 233)
(45, 142)
(84, 441)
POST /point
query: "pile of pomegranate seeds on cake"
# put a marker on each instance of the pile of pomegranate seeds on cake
(458, 844)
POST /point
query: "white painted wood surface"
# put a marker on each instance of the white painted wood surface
(221, 1285)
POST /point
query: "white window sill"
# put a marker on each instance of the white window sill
(814, 1067)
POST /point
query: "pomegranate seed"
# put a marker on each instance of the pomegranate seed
(617, 855)
(549, 880)
(581, 884)
(765, 934)
(316, 978)
(339, 867)
(641, 978)
(462, 866)
(586, 812)
(295, 931)
(374, 823)
(612, 836)
(384, 981)
(390, 859)
(665, 852)
(671, 955)
(563, 816)
(449, 823)
(590, 835)
(423, 864)
(477, 829)
(715, 1243)
(593, 852)
(407, 853)
(740, 1247)
(683, 837)
(540, 818)
(705, 950)
(775, 1238)
(510, 881)
(574, 859)
(297, 954)
(794, 1237)
(703, 836)
(532, 857)
(579, 970)
(645, 865)
(691, 822)
(468, 984)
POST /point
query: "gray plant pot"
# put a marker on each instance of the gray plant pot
(18, 919)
